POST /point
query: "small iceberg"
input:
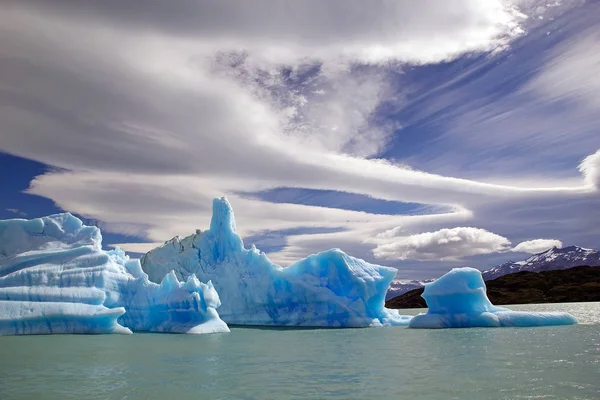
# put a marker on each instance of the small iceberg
(55, 278)
(458, 300)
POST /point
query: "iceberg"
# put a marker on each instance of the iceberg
(55, 278)
(329, 289)
(458, 300)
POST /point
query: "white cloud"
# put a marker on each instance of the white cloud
(137, 247)
(164, 206)
(569, 73)
(149, 56)
(445, 244)
(17, 211)
(590, 168)
(537, 245)
(360, 236)
(276, 32)
(337, 117)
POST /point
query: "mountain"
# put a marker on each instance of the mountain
(575, 284)
(549, 260)
(399, 287)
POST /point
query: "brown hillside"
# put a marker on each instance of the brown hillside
(576, 284)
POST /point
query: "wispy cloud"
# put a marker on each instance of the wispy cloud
(17, 212)
(569, 74)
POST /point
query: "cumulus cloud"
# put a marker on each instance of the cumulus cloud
(537, 245)
(445, 244)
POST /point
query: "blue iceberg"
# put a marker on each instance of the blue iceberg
(55, 278)
(458, 300)
(329, 289)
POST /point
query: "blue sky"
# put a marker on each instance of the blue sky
(419, 136)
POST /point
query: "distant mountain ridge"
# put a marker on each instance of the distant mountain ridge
(575, 284)
(549, 260)
(399, 287)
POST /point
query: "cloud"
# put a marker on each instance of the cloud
(323, 111)
(136, 247)
(445, 244)
(567, 75)
(17, 211)
(537, 245)
(590, 168)
(515, 116)
(152, 114)
(164, 206)
(368, 31)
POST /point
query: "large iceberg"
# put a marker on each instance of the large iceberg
(458, 300)
(55, 278)
(329, 289)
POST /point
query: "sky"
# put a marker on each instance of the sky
(418, 135)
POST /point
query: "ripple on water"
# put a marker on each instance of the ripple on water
(505, 363)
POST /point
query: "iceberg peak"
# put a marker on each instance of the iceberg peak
(222, 230)
(223, 219)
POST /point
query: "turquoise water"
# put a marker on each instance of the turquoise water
(390, 363)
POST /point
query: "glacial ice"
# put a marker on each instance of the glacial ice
(458, 300)
(329, 289)
(55, 278)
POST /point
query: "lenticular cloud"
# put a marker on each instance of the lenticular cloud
(537, 245)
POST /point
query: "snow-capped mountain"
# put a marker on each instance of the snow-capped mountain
(552, 259)
(555, 258)
(400, 287)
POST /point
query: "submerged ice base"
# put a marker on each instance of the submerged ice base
(55, 278)
(329, 289)
(458, 300)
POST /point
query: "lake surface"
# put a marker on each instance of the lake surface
(374, 363)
